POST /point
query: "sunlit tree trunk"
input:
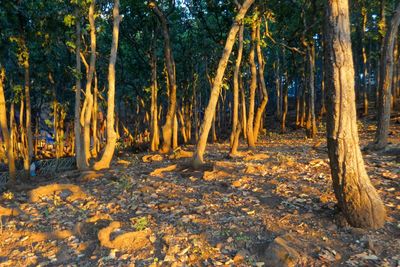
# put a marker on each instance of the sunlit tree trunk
(111, 134)
(278, 111)
(5, 130)
(253, 87)
(357, 197)
(154, 131)
(364, 59)
(96, 145)
(209, 113)
(264, 100)
(236, 74)
(28, 117)
(243, 105)
(167, 129)
(88, 110)
(385, 84)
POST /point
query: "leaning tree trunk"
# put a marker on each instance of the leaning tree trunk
(357, 197)
(108, 154)
(80, 160)
(385, 83)
(5, 131)
(253, 87)
(264, 101)
(209, 113)
(167, 129)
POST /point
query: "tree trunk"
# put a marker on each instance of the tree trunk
(253, 87)
(96, 145)
(167, 129)
(88, 90)
(28, 119)
(236, 74)
(357, 197)
(264, 101)
(154, 131)
(5, 131)
(111, 135)
(208, 116)
(80, 160)
(284, 95)
(311, 122)
(385, 84)
(243, 104)
(364, 59)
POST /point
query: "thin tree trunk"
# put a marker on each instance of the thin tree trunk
(253, 87)
(5, 131)
(80, 160)
(311, 122)
(88, 91)
(385, 85)
(364, 59)
(236, 84)
(154, 131)
(95, 149)
(356, 195)
(28, 119)
(284, 95)
(208, 116)
(167, 129)
(264, 101)
(244, 112)
(108, 154)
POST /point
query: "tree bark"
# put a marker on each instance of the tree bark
(357, 197)
(209, 113)
(385, 83)
(5, 131)
(108, 154)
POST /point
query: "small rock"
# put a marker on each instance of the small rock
(279, 253)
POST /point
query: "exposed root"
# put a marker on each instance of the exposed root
(152, 158)
(48, 190)
(160, 171)
(130, 241)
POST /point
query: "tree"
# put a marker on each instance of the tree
(168, 127)
(5, 131)
(356, 196)
(386, 82)
(210, 110)
(111, 134)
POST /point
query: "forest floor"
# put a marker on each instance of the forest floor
(274, 202)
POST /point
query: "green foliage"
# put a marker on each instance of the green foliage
(140, 223)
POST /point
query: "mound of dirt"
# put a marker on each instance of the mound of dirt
(130, 241)
(48, 190)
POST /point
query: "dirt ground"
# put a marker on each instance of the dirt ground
(234, 212)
